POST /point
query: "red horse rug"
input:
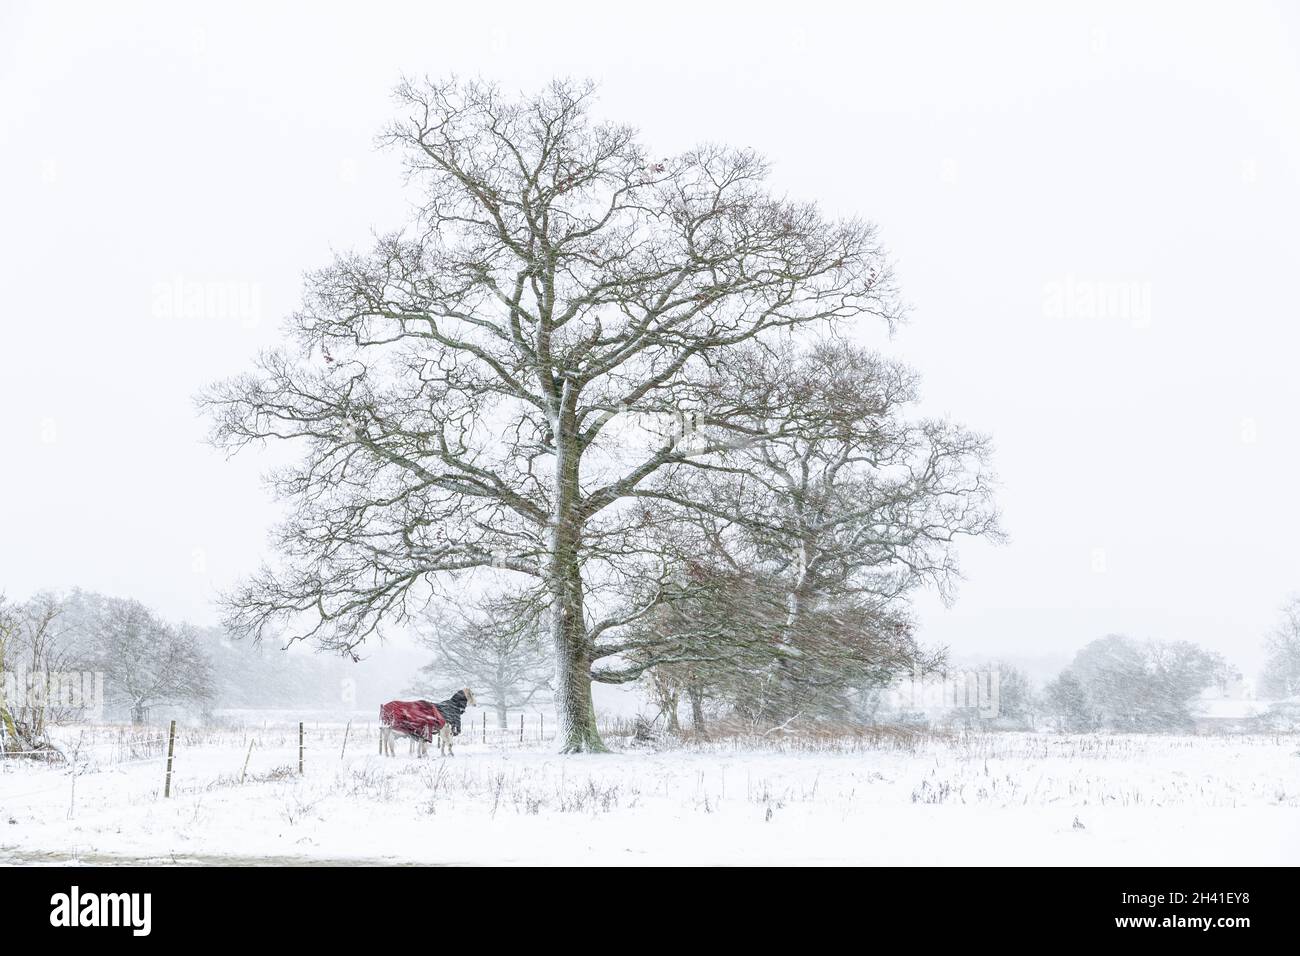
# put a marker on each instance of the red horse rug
(414, 718)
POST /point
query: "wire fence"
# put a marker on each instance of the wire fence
(24, 753)
(98, 747)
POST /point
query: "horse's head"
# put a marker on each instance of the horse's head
(469, 697)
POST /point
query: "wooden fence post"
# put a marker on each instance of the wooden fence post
(171, 752)
(345, 740)
(485, 726)
(244, 773)
(300, 732)
(521, 728)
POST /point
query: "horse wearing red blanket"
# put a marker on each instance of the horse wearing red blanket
(416, 719)
(419, 720)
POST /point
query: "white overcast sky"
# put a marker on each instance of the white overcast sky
(1019, 159)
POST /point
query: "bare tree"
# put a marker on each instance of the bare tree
(31, 654)
(731, 642)
(495, 648)
(1119, 683)
(8, 629)
(460, 389)
(715, 627)
(146, 661)
(665, 686)
(1068, 706)
(842, 513)
(1281, 676)
(850, 498)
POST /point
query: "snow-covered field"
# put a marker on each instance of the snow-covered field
(972, 799)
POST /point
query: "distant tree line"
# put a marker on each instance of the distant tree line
(1117, 683)
(146, 663)
(144, 660)
(496, 647)
(1281, 677)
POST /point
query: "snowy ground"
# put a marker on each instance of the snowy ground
(978, 799)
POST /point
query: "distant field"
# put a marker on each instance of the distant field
(894, 799)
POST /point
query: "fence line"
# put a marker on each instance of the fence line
(49, 753)
(135, 760)
(21, 753)
(106, 740)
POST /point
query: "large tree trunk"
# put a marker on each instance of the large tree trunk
(138, 713)
(674, 722)
(501, 694)
(573, 705)
(798, 602)
(696, 693)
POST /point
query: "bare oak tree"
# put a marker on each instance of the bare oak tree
(32, 651)
(844, 508)
(146, 660)
(1281, 676)
(849, 496)
(458, 388)
(495, 648)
